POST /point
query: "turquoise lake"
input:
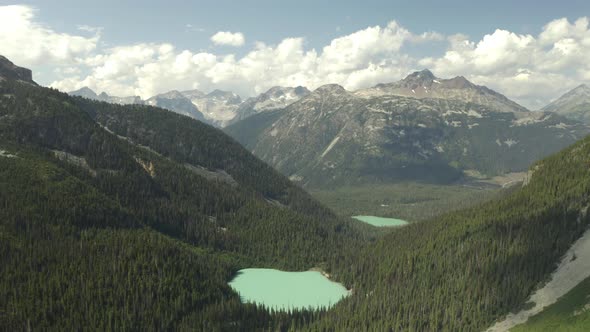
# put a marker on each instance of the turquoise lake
(282, 290)
(381, 222)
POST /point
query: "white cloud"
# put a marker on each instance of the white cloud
(228, 38)
(428, 36)
(191, 28)
(91, 29)
(363, 58)
(28, 43)
(526, 67)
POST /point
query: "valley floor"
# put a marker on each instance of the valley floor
(408, 201)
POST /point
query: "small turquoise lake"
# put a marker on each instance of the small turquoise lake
(381, 222)
(281, 290)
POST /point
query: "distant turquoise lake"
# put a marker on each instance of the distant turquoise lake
(281, 290)
(381, 222)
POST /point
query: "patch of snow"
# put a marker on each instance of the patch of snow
(421, 125)
(510, 142)
(329, 165)
(274, 132)
(372, 128)
(451, 112)
(474, 114)
(439, 148)
(5, 154)
(413, 91)
(472, 125)
(568, 274)
(375, 110)
(216, 110)
(560, 125)
(435, 81)
(529, 118)
(334, 141)
(296, 178)
(498, 142)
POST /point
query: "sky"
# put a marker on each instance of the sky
(531, 51)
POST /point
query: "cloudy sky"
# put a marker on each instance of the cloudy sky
(531, 51)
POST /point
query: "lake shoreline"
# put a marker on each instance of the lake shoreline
(329, 277)
(381, 221)
(287, 290)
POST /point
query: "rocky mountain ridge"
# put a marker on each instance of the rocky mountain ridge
(335, 137)
(424, 84)
(86, 92)
(574, 104)
(9, 70)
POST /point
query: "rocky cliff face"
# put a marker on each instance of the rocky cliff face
(218, 107)
(9, 70)
(178, 103)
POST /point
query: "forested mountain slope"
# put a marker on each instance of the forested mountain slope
(133, 217)
(464, 270)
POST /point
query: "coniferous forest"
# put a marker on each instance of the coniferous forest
(135, 218)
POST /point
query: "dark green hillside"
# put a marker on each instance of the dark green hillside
(101, 230)
(200, 145)
(248, 130)
(464, 270)
(164, 185)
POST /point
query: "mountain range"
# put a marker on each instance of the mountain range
(178, 102)
(423, 84)
(218, 108)
(574, 104)
(131, 217)
(422, 128)
(222, 108)
(103, 96)
(273, 99)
